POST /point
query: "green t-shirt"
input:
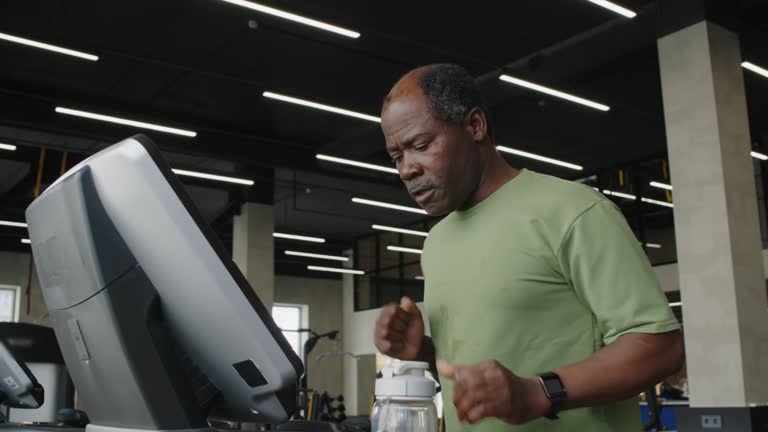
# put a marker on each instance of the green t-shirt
(541, 274)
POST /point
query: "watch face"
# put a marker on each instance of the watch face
(553, 386)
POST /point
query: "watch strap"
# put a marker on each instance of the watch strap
(555, 392)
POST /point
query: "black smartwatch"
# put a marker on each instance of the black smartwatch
(555, 391)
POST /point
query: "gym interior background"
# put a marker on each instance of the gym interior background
(276, 135)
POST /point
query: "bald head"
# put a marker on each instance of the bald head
(408, 85)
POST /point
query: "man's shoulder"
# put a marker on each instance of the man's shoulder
(555, 198)
(571, 190)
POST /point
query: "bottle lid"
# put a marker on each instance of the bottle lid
(403, 379)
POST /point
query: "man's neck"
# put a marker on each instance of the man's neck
(496, 174)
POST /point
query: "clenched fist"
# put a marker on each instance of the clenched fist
(399, 331)
(489, 389)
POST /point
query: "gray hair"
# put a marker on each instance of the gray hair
(452, 93)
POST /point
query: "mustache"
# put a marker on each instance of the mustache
(418, 187)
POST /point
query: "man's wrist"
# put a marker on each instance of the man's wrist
(426, 351)
(539, 403)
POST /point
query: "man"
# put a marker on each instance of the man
(544, 311)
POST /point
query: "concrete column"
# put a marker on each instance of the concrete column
(351, 394)
(716, 218)
(253, 249)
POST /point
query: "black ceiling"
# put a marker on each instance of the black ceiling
(203, 65)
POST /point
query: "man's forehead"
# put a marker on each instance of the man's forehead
(404, 107)
(403, 118)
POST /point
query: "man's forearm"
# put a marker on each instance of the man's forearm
(623, 369)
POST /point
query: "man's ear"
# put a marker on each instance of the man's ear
(477, 124)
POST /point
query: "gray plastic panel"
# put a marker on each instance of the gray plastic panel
(77, 252)
(55, 380)
(123, 362)
(15, 384)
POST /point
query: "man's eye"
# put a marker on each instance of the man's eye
(422, 147)
(396, 159)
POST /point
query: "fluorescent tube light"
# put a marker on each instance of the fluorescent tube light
(614, 8)
(760, 156)
(126, 122)
(318, 256)
(539, 158)
(404, 250)
(49, 47)
(553, 92)
(620, 194)
(320, 106)
(298, 237)
(389, 206)
(26, 241)
(13, 224)
(7, 147)
(755, 68)
(336, 270)
(653, 245)
(400, 230)
(357, 164)
(673, 304)
(657, 202)
(295, 18)
(213, 177)
(661, 185)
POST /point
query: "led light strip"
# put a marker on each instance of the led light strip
(661, 185)
(389, 206)
(318, 256)
(49, 47)
(400, 230)
(295, 18)
(673, 304)
(620, 195)
(539, 158)
(13, 224)
(357, 164)
(553, 92)
(213, 177)
(7, 147)
(126, 122)
(653, 245)
(755, 68)
(657, 202)
(298, 237)
(336, 270)
(614, 8)
(757, 155)
(404, 250)
(320, 106)
(26, 241)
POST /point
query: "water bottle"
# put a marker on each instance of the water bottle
(405, 399)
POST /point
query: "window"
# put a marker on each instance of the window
(9, 303)
(389, 275)
(292, 318)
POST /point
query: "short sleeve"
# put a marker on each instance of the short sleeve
(610, 273)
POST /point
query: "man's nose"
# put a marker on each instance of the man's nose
(410, 168)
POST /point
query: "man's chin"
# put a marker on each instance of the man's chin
(436, 210)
